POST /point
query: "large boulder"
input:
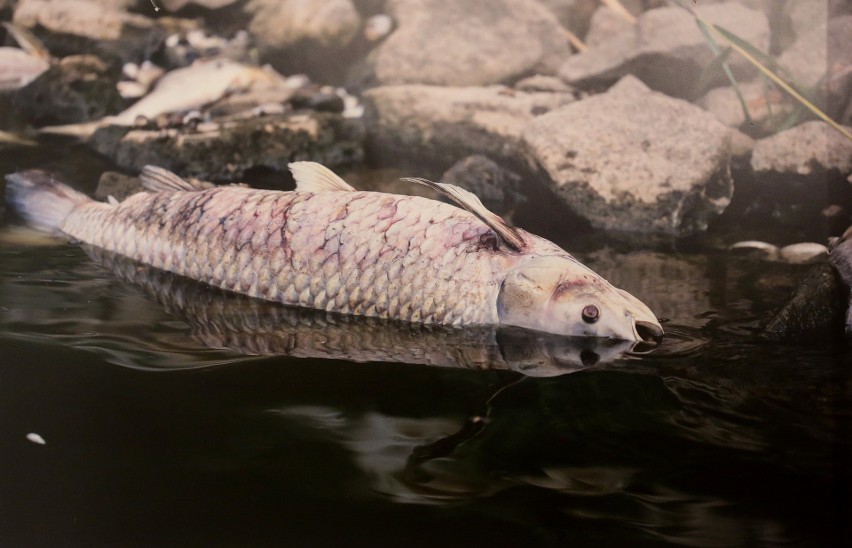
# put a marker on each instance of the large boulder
(465, 43)
(635, 160)
(440, 125)
(666, 49)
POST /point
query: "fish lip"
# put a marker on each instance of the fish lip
(649, 336)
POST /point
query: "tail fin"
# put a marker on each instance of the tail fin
(40, 199)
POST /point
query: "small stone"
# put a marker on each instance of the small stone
(755, 249)
(803, 253)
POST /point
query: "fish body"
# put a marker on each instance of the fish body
(326, 246)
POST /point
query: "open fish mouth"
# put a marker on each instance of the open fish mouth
(649, 336)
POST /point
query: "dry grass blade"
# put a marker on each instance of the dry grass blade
(619, 8)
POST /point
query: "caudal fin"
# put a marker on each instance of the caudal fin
(41, 200)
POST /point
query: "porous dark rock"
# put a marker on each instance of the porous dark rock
(225, 151)
(666, 49)
(635, 160)
(440, 125)
(816, 311)
(77, 89)
(459, 43)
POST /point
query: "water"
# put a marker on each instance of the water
(159, 429)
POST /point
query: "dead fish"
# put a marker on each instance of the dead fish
(327, 246)
(181, 90)
(224, 320)
(19, 67)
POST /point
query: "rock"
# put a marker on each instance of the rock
(841, 259)
(633, 159)
(605, 26)
(117, 185)
(540, 82)
(175, 5)
(458, 43)
(755, 249)
(803, 253)
(90, 26)
(442, 125)
(304, 35)
(666, 49)
(77, 89)
(815, 312)
(766, 104)
(497, 187)
(574, 15)
(226, 151)
(811, 149)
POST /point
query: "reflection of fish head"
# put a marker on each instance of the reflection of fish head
(559, 295)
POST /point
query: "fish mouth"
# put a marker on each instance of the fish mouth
(649, 335)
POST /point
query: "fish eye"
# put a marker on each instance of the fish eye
(590, 313)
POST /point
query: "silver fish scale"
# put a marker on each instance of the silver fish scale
(365, 253)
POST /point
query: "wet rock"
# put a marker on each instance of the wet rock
(458, 43)
(841, 259)
(810, 149)
(225, 151)
(666, 49)
(442, 124)
(90, 26)
(497, 187)
(77, 89)
(304, 35)
(117, 185)
(635, 160)
(755, 249)
(815, 312)
(803, 253)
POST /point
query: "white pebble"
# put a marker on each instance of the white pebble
(35, 438)
(753, 247)
(806, 252)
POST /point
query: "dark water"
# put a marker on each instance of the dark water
(152, 437)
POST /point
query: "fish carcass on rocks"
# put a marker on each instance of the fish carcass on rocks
(327, 246)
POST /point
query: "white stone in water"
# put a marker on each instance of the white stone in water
(802, 253)
(35, 438)
(756, 248)
(377, 27)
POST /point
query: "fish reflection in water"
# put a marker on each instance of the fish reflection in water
(222, 320)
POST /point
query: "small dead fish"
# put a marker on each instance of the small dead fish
(180, 90)
(326, 246)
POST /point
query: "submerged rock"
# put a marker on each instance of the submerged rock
(459, 43)
(225, 151)
(635, 160)
(666, 49)
(442, 125)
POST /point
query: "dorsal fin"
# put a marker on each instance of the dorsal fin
(314, 177)
(158, 179)
(470, 202)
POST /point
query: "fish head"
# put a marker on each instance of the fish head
(559, 295)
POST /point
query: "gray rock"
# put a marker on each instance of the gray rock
(815, 312)
(635, 160)
(666, 49)
(540, 82)
(574, 15)
(811, 148)
(90, 26)
(77, 89)
(841, 258)
(497, 187)
(442, 125)
(281, 24)
(226, 151)
(458, 43)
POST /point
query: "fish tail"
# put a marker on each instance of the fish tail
(43, 201)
